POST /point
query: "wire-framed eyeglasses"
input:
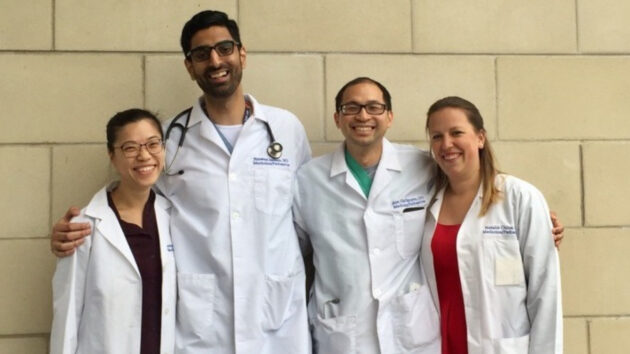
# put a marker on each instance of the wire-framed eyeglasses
(132, 149)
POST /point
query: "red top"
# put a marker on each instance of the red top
(452, 315)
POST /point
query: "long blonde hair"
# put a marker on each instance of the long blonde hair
(487, 163)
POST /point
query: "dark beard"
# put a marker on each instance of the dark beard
(223, 91)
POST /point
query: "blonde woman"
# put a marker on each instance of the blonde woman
(487, 248)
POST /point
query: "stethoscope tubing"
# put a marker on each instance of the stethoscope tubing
(274, 150)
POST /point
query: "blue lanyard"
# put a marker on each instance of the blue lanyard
(225, 140)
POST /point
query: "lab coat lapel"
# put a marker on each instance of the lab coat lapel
(427, 255)
(108, 226)
(339, 166)
(161, 214)
(387, 166)
(252, 128)
(435, 208)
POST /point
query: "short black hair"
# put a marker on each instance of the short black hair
(206, 19)
(359, 80)
(120, 119)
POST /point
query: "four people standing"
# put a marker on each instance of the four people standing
(230, 165)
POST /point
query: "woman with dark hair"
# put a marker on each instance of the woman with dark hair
(116, 293)
(487, 247)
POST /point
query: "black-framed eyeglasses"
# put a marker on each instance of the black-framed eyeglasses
(371, 108)
(202, 53)
(132, 149)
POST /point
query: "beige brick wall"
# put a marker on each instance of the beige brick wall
(610, 335)
(606, 183)
(604, 26)
(23, 345)
(494, 26)
(553, 167)
(552, 79)
(327, 25)
(63, 97)
(25, 190)
(575, 336)
(580, 97)
(34, 34)
(27, 268)
(594, 272)
(122, 25)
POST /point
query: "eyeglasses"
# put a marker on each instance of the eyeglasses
(132, 149)
(354, 108)
(202, 53)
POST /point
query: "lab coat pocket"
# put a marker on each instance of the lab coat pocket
(409, 226)
(503, 256)
(272, 189)
(195, 303)
(416, 320)
(517, 345)
(281, 301)
(334, 335)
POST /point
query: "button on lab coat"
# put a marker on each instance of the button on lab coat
(369, 292)
(240, 272)
(509, 271)
(97, 292)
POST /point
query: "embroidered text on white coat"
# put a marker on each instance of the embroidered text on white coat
(267, 161)
(409, 202)
(499, 229)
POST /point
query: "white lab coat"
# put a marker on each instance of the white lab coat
(509, 271)
(97, 292)
(240, 271)
(369, 294)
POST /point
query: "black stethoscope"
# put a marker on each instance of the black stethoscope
(274, 150)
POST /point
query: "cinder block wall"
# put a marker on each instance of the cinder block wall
(552, 79)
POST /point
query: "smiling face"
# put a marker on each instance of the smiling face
(363, 130)
(219, 77)
(142, 171)
(455, 143)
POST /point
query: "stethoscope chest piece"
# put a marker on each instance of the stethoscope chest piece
(274, 150)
